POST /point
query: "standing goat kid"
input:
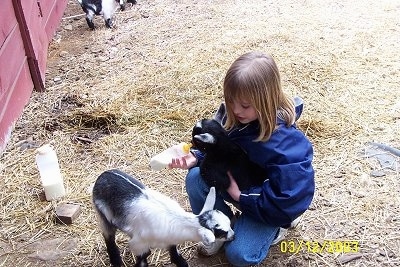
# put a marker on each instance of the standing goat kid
(151, 219)
(106, 8)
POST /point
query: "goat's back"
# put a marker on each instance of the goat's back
(246, 173)
(113, 191)
(142, 213)
(116, 185)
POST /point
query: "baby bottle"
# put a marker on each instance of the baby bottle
(50, 174)
(161, 160)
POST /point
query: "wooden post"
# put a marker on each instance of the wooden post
(30, 53)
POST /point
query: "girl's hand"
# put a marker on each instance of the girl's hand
(185, 162)
(233, 189)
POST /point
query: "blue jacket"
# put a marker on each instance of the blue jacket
(287, 156)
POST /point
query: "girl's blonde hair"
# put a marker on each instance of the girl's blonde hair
(254, 77)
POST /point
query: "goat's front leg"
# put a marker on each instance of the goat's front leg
(141, 260)
(176, 257)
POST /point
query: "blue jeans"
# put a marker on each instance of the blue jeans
(252, 238)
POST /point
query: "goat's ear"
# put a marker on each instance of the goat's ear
(207, 236)
(210, 201)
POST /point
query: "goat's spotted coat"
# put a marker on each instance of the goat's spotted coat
(151, 219)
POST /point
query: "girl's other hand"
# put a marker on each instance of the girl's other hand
(185, 162)
(233, 189)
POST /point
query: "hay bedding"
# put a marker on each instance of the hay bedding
(116, 97)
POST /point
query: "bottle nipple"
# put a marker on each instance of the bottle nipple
(186, 148)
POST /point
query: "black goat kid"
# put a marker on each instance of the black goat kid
(223, 155)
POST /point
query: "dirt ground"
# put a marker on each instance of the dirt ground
(115, 97)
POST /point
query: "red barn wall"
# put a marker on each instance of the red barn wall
(26, 30)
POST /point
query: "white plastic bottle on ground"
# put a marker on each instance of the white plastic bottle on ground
(50, 174)
(161, 160)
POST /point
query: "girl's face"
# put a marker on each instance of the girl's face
(244, 111)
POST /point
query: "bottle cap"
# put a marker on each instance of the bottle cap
(44, 149)
(186, 147)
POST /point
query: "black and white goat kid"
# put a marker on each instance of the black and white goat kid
(151, 219)
(106, 8)
(223, 155)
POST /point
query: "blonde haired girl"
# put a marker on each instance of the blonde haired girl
(261, 119)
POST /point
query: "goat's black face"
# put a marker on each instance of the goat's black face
(205, 134)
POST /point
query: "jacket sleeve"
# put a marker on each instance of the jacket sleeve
(198, 155)
(289, 189)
